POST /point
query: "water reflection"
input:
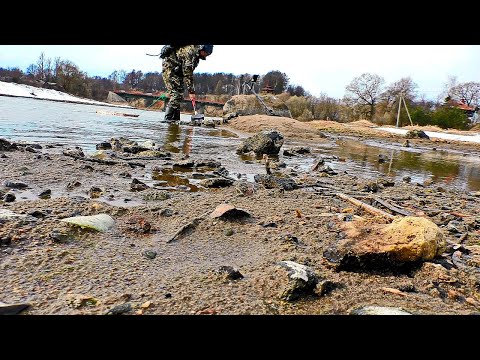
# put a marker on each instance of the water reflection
(441, 167)
(173, 138)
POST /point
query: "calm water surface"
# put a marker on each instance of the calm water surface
(44, 122)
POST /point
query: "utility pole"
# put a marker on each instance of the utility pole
(401, 98)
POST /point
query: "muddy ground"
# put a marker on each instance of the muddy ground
(140, 267)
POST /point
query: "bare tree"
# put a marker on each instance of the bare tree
(133, 78)
(365, 91)
(390, 98)
(326, 108)
(449, 84)
(43, 65)
(405, 87)
(467, 92)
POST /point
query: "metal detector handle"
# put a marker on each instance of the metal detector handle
(194, 108)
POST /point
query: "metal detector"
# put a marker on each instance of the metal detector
(249, 84)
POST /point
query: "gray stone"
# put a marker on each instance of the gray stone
(103, 146)
(272, 182)
(150, 254)
(46, 194)
(137, 185)
(12, 309)
(58, 236)
(216, 182)
(266, 142)
(74, 152)
(6, 145)
(230, 272)
(9, 197)
(416, 134)
(302, 280)
(15, 184)
(120, 309)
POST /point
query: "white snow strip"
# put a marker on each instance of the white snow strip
(469, 138)
(13, 89)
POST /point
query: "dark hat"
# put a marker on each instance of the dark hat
(207, 48)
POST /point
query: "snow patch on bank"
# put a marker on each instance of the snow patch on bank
(20, 90)
(468, 138)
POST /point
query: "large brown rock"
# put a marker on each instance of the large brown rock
(412, 238)
(406, 240)
(250, 105)
(265, 142)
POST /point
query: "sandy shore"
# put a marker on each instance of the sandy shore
(140, 267)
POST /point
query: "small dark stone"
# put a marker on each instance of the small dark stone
(103, 146)
(95, 192)
(150, 254)
(289, 238)
(5, 240)
(221, 171)
(166, 212)
(137, 185)
(6, 145)
(9, 197)
(35, 146)
(15, 184)
(3, 156)
(30, 149)
(45, 194)
(231, 272)
(73, 184)
(407, 288)
(12, 309)
(57, 236)
(120, 309)
(269, 224)
(168, 295)
(125, 174)
(228, 232)
(326, 286)
(37, 213)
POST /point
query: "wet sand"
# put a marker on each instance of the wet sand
(136, 268)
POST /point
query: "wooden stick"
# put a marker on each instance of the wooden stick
(366, 207)
(190, 227)
(392, 207)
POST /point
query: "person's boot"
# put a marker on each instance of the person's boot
(176, 116)
(169, 114)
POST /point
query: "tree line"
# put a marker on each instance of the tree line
(66, 76)
(366, 96)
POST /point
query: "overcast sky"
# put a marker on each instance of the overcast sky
(318, 68)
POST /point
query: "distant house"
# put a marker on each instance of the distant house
(471, 112)
(268, 89)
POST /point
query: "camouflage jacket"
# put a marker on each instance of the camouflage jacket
(187, 57)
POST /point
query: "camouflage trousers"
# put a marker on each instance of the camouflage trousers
(174, 84)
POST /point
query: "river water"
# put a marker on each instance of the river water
(43, 121)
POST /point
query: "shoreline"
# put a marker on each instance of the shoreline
(71, 101)
(136, 268)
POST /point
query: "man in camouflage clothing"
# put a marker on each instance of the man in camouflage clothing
(178, 65)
